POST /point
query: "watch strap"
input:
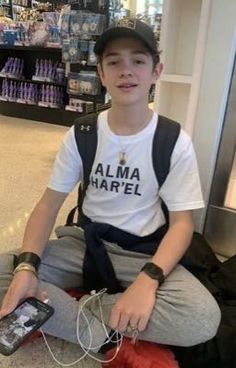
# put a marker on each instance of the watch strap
(154, 271)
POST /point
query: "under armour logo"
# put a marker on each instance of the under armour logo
(85, 127)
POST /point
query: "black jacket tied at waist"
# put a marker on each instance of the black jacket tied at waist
(98, 271)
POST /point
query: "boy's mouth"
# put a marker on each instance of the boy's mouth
(127, 86)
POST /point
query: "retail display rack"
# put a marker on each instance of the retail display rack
(32, 83)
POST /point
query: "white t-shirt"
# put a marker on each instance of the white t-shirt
(128, 196)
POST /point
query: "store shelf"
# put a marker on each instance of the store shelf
(181, 36)
(183, 40)
(6, 5)
(31, 48)
(32, 81)
(176, 78)
(174, 97)
(30, 54)
(39, 113)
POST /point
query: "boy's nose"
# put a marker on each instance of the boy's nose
(125, 69)
(125, 73)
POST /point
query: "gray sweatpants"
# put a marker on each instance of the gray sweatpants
(185, 313)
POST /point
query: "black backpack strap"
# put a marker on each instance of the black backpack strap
(86, 140)
(165, 137)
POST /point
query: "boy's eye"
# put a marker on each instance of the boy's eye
(139, 61)
(112, 62)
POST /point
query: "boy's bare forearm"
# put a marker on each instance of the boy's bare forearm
(174, 244)
(41, 222)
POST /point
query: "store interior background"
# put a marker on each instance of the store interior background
(28, 148)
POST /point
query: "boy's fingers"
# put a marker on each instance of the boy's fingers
(10, 302)
(6, 309)
(43, 296)
(114, 319)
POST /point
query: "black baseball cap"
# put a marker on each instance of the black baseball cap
(128, 27)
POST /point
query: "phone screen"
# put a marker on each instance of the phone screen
(23, 321)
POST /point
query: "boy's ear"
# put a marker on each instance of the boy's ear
(100, 73)
(157, 71)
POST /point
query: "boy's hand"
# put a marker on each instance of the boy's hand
(23, 285)
(134, 307)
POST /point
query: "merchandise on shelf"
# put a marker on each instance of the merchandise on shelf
(78, 105)
(13, 68)
(92, 58)
(21, 92)
(48, 71)
(31, 94)
(71, 53)
(50, 96)
(83, 83)
(75, 50)
(51, 20)
(82, 24)
(32, 32)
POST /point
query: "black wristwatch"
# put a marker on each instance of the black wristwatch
(154, 271)
(28, 257)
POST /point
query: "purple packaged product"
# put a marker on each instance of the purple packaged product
(29, 93)
(15, 88)
(11, 67)
(11, 90)
(17, 67)
(53, 71)
(42, 95)
(41, 68)
(33, 94)
(36, 94)
(25, 95)
(21, 67)
(47, 94)
(6, 89)
(8, 65)
(48, 68)
(37, 68)
(14, 66)
(21, 92)
(45, 68)
(51, 94)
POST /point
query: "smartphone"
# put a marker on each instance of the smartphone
(17, 326)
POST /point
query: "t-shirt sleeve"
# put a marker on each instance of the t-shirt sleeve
(182, 189)
(67, 168)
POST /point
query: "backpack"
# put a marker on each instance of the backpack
(165, 137)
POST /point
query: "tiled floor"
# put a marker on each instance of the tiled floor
(27, 151)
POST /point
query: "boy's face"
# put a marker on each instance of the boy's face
(127, 71)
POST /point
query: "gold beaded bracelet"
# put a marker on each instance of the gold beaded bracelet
(25, 267)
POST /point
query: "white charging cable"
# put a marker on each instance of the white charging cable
(87, 349)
